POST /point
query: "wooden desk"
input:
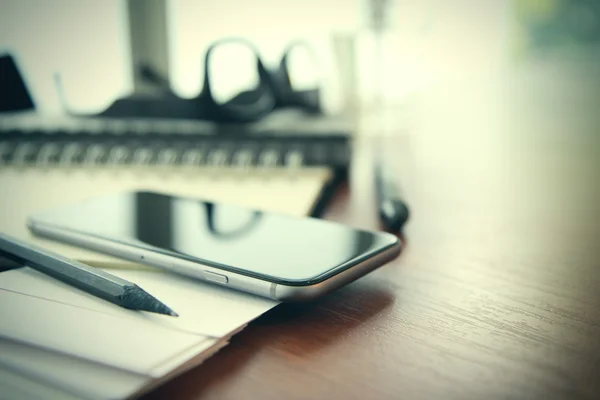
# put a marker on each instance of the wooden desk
(497, 292)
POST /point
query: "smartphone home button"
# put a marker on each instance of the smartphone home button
(214, 277)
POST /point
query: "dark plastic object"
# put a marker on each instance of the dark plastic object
(14, 95)
(273, 91)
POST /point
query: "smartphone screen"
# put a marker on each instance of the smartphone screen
(272, 247)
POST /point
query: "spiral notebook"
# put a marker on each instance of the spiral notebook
(286, 138)
(47, 162)
(287, 163)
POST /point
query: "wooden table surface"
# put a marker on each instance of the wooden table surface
(497, 291)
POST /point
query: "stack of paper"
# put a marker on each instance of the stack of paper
(57, 342)
(82, 345)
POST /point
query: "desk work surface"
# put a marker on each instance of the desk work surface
(497, 291)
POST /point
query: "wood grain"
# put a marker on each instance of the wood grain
(497, 291)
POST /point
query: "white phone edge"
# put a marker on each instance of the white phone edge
(232, 280)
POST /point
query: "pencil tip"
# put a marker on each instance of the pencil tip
(160, 308)
(163, 309)
(138, 299)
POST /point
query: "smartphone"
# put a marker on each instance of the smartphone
(271, 255)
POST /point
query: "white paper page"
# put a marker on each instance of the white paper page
(135, 345)
(26, 191)
(203, 309)
(73, 375)
(16, 386)
(209, 352)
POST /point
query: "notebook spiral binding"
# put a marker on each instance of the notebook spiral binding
(27, 142)
(74, 153)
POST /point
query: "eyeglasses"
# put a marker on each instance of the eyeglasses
(237, 87)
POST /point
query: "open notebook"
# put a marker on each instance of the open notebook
(71, 342)
(58, 342)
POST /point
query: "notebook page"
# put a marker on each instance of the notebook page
(18, 386)
(28, 190)
(204, 309)
(82, 378)
(130, 344)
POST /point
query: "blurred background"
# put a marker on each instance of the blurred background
(426, 41)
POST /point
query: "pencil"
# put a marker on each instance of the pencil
(91, 280)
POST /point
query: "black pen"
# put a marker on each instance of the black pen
(393, 211)
(91, 280)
